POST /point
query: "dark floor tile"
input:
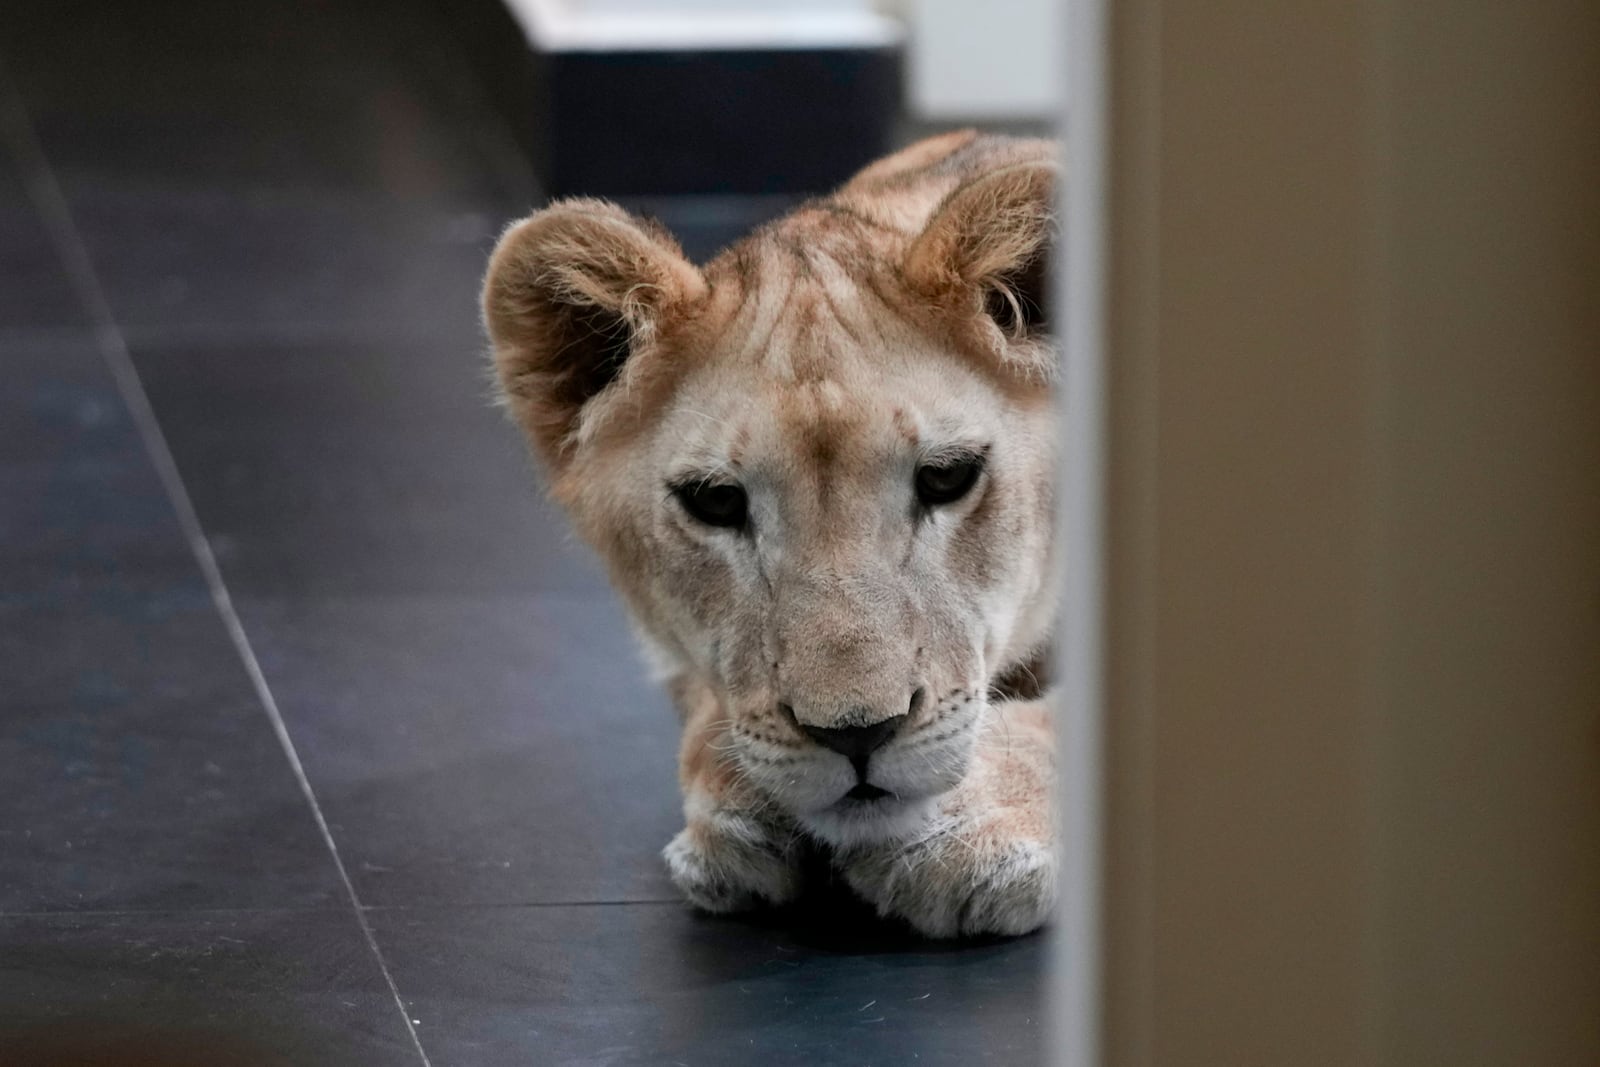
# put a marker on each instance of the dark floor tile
(34, 287)
(478, 750)
(339, 469)
(59, 403)
(98, 528)
(242, 989)
(292, 262)
(137, 767)
(87, 532)
(139, 770)
(262, 260)
(173, 255)
(81, 511)
(642, 984)
(86, 528)
(180, 799)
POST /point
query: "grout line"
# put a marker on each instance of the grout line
(177, 913)
(527, 905)
(313, 909)
(52, 205)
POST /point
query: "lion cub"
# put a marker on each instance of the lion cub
(820, 469)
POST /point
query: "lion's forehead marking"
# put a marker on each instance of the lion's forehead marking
(818, 420)
(802, 309)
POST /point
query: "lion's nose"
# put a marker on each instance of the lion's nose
(855, 743)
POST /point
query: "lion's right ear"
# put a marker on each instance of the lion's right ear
(573, 293)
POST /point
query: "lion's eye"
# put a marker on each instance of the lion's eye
(715, 504)
(947, 480)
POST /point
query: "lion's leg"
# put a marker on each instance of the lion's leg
(987, 864)
(735, 852)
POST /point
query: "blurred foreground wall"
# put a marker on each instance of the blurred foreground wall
(1352, 622)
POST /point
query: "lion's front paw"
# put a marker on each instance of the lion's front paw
(1016, 896)
(960, 882)
(731, 863)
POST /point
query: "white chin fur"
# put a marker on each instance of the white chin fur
(848, 824)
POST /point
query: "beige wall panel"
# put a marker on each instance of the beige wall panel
(1352, 536)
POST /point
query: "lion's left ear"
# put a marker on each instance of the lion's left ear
(988, 248)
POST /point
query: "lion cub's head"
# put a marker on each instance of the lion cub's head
(819, 468)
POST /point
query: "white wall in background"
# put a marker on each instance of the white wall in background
(977, 59)
(695, 7)
(645, 25)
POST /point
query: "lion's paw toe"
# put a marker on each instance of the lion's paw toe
(722, 875)
(1015, 896)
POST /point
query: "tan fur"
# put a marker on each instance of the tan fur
(815, 364)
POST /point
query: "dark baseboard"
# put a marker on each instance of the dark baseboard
(653, 123)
